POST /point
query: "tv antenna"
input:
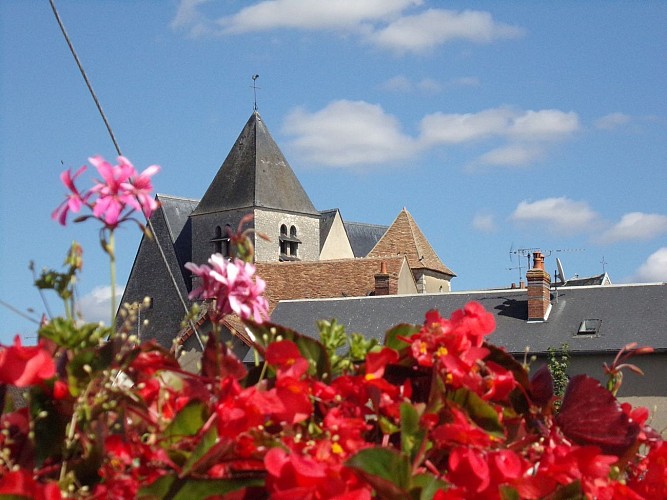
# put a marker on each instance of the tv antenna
(604, 264)
(254, 89)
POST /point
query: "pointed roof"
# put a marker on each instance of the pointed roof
(255, 174)
(405, 238)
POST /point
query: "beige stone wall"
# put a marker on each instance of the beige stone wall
(436, 285)
(268, 222)
(406, 281)
(337, 245)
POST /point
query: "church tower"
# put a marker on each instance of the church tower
(256, 179)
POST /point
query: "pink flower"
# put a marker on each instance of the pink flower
(113, 199)
(231, 284)
(122, 188)
(74, 200)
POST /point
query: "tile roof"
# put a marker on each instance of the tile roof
(324, 279)
(405, 238)
(255, 174)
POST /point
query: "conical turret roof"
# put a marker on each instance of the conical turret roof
(255, 174)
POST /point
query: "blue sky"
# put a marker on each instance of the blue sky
(499, 125)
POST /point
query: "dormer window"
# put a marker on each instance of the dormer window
(221, 241)
(289, 244)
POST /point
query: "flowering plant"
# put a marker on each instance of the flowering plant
(435, 412)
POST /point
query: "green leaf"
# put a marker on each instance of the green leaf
(508, 493)
(426, 486)
(387, 470)
(571, 491)
(482, 413)
(191, 489)
(411, 435)
(391, 338)
(203, 447)
(49, 424)
(187, 422)
(66, 334)
(311, 349)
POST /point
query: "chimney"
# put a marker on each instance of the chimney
(539, 294)
(382, 280)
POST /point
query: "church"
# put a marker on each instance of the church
(309, 254)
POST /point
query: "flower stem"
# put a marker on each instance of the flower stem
(111, 250)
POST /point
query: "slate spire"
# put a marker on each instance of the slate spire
(255, 174)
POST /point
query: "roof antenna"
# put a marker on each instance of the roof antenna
(254, 89)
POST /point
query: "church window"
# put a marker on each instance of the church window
(283, 240)
(294, 243)
(221, 243)
(289, 244)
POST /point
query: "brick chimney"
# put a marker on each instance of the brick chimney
(382, 280)
(539, 294)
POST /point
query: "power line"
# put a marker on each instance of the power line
(115, 143)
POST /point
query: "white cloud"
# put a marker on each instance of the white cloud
(347, 15)
(561, 215)
(458, 128)
(528, 126)
(96, 305)
(546, 124)
(347, 133)
(636, 226)
(484, 223)
(403, 84)
(655, 267)
(380, 22)
(433, 27)
(190, 19)
(612, 121)
(512, 155)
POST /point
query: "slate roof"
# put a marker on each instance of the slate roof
(363, 237)
(328, 278)
(600, 279)
(255, 174)
(626, 313)
(405, 238)
(177, 217)
(150, 275)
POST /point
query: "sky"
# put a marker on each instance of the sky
(500, 126)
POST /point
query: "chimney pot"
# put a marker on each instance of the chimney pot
(382, 280)
(538, 260)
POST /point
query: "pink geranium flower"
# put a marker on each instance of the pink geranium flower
(231, 284)
(115, 197)
(74, 199)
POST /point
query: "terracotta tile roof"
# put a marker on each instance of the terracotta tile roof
(405, 238)
(326, 279)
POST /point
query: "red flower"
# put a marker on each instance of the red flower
(21, 484)
(468, 469)
(25, 366)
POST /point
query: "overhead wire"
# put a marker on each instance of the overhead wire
(115, 143)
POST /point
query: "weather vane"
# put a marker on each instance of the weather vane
(254, 88)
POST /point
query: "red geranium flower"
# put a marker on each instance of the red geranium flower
(25, 366)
